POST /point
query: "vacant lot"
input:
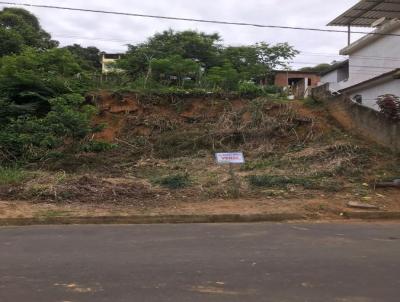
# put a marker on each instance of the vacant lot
(159, 158)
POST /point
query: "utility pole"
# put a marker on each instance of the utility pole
(348, 35)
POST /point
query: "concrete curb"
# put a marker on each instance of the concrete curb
(139, 219)
(178, 219)
(372, 215)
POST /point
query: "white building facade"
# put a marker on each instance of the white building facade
(374, 59)
(375, 54)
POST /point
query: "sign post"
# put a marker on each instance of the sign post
(231, 159)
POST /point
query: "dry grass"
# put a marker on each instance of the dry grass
(165, 157)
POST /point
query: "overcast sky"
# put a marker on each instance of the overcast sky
(111, 33)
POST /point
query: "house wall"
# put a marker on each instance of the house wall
(107, 65)
(337, 78)
(360, 119)
(332, 79)
(281, 78)
(371, 92)
(374, 59)
(343, 73)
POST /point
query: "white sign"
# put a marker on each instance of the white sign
(230, 158)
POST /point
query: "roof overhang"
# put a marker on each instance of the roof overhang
(389, 76)
(378, 33)
(366, 12)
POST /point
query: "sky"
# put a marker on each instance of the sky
(111, 33)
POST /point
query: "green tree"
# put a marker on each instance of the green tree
(31, 138)
(257, 61)
(317, 68)
(196, 46)
(18, 29)
(225, 77)
(87, 57)
(30, 79)
(174, 66)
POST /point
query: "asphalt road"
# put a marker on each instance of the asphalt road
(188, 263)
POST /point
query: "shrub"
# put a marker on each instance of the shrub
(277, 181)
(97, 146)
(177, 181)
(31, 138)
(311, 102)
(225, 77)
(11, 175)
(250, 89)
(272, 89)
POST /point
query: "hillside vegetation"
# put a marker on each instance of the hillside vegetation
(144, 136)
(158, 151)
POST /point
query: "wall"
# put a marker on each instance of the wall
(343, 73)
(360, 119)
(332, 79)
(281, 78)
(337, 78)
(378, 57)
(369, 94)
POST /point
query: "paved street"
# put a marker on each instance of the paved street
(351, 262)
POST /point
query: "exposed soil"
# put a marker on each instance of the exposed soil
(297, 160)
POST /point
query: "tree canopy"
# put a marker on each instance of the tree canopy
(18, 29)
(42, 86)
(258, 60)
(87, 57)
(208, 56)
(320, 68)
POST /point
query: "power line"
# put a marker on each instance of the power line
(192, 19)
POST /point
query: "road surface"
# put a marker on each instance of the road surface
(351, 262)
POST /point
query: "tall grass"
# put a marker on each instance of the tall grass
(11, 175)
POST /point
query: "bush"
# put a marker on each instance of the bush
(225, 77)
(10, 176)
(272, 89)
(177, 181)
(31, 138)
(250, 89)
(97, 146)
(277, 181)
(311, 103)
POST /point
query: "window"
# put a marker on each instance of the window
(358, 98)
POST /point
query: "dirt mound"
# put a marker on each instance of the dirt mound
(127, 116)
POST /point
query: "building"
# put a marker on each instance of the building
(298, 82)
(108, 61)
(375, 58)
(336, 76)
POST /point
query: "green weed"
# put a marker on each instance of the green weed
(277, 181)
(10, 176)
(177, 181)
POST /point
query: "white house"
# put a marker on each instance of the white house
(108, 61)
(336, 76)
(374, 59)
